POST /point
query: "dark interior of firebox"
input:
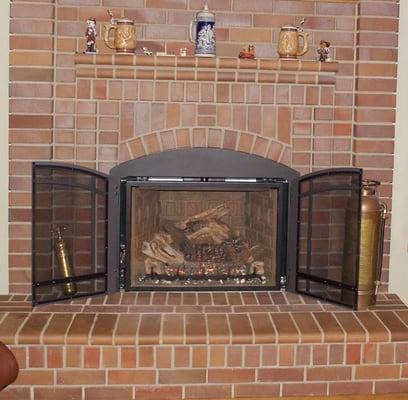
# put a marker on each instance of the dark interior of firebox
(203, 238)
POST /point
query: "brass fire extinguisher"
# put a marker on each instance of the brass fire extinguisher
(373, 216)
(62, 255)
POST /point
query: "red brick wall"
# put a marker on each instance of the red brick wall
(56, 116)
(208, 371)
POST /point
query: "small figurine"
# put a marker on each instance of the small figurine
(183, 52)
(323, 51)
(248, 53)
(147, 52)
(90, 34)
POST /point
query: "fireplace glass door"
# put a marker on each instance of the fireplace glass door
(69, 232)
(199, 237)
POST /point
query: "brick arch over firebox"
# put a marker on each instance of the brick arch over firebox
(205, 137)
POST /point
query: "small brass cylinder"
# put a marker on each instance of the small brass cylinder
(373, 215)
(64, 264)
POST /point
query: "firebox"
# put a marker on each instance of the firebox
(203, 233)
(195, 219)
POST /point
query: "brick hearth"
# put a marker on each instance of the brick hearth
(202, 345)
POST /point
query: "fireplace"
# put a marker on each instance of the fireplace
(195, 219)
(201, 219)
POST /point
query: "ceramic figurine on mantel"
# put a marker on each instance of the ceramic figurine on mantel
(202, 33)
(323, 52)
(147, 52)
(248, 53)
(90, 35)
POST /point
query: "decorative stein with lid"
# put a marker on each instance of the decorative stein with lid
(202, 33)
(289, 41)
(125, 36)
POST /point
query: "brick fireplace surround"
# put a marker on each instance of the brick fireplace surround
(98, 111)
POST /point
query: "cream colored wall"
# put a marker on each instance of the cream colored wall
(4, 63)
(399, 227)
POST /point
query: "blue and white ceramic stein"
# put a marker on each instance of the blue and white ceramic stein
(202, 33)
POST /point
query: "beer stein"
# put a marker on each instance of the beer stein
(289, 41)
(202, 33)
(125, 36)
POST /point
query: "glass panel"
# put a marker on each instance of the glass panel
(206, 238)
(69, 226)
(328, 235)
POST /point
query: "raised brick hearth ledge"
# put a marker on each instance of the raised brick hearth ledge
(204, 345)
(199, 318)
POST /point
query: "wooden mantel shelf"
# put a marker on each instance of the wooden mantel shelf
(203, 69)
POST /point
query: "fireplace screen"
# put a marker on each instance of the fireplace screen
(196, 219)
(328, 235)
(203, 237)
(69, 232)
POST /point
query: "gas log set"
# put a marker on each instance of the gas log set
(202, 247)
